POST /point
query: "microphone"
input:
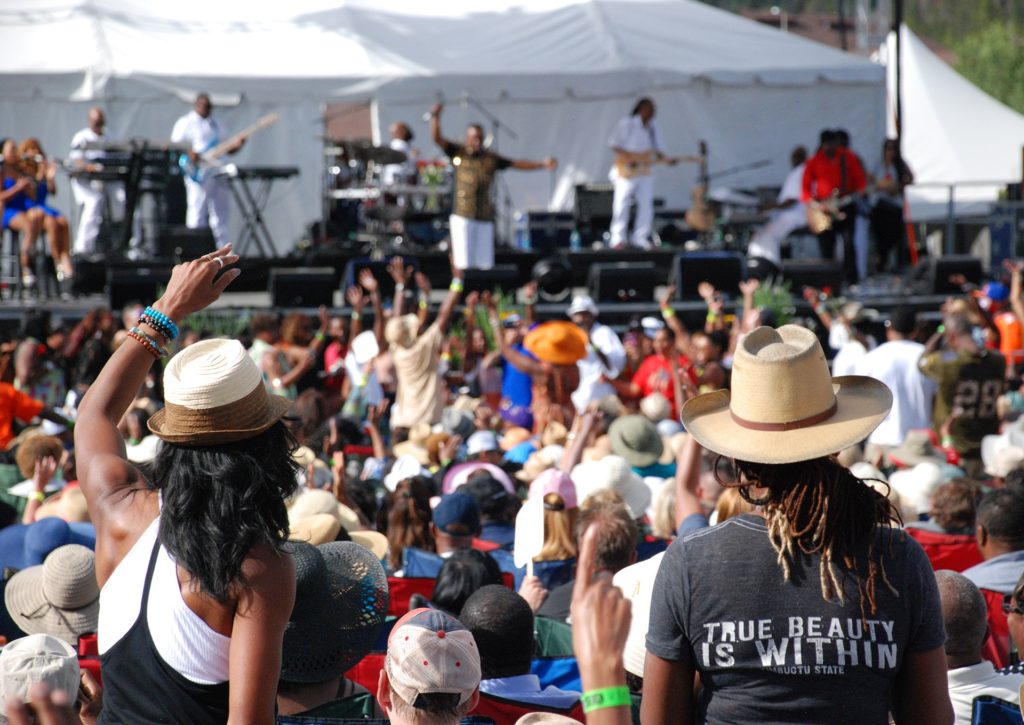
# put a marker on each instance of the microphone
(426, 117)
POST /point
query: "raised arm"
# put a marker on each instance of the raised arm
(470, 310)
(435, 126)
(400, 273)
(530, 290)
(516, 359)
(372, 287)
(1016, 288)
(356, 300)
(422, 298)
(549, 163)
(448, 306)
(674, 323)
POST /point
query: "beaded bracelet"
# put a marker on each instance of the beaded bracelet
(157, 325)
(667, 312)
(457, 285)
(150, 344)
(160, 317)
(605, 697)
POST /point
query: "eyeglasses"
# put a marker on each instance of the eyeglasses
(1011, 606)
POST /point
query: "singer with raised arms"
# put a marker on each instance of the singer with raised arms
(472, 219)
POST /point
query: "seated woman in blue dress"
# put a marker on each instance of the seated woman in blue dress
(16, 197)
(55, 224)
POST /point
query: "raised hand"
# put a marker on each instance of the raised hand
(423, 282)
(668, 296)
(43, 472)
(750, 286)
(706, 290)
(375, 413)
(398, 271)
(436, 109)
(195, 285)
(48, 708)
(448, 449)
(472, 299)
(550, 163)
(368, 281)
(354, 297)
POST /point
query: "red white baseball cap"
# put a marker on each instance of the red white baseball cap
(431, 652)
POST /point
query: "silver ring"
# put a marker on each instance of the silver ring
(220, 261)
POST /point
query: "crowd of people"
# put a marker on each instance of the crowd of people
(465, 514)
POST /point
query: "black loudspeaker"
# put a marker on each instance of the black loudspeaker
(553, 276)
(593, 209)
(505, 277)
(90, 275)
(622, 282)
(302, 286)
(725, 270)
(183, 244)
(379, 268)
(937, 271)
(135, 283)
(550, 230)
(817, 273)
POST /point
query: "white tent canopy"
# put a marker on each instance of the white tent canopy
(953, 132)
(557, 73)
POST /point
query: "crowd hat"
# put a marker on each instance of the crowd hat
(214, 393)
(311, 502)
(402, 331)
(582, 303)
(612, 472)
(557, 342)
(457, 422)
(483, 441)
(916, 448)
(431, 652)
(60, 597)
(457, 514)
(460, 474)
(916, 486)
(656, 407)
(636, 438)
(341, 601)
(34, 659)
(403, 468)
(513, 437)
(650, 325)
(784, 405)
(556, 482)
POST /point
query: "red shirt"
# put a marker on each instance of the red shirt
(824, 175)
(15, 404)
(655, 376)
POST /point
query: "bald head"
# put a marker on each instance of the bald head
(97, 121)
(965, 616)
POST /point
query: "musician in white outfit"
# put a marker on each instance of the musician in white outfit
(208, 197)
(89, 194)
(788, 214)
(636, 134)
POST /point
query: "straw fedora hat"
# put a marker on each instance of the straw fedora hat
(60, 597)
(784, 405)
(557, 342)
(214, 393)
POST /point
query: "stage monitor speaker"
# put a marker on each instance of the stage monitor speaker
(817, 273)
(553, 276)
(135, 283)
(550, 230)
(183, 244)
(593, 209)
(622, 282)
(724, 270)
(379, 267)
(302, 286)
(504, 277)
(938, 270)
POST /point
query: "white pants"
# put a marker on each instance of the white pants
(767, 241)
(92, 197)
(472, 243)
(640, 188)
(208, 206)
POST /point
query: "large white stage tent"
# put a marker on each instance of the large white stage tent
(557, 73)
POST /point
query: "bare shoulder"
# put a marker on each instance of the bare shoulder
(268, 568)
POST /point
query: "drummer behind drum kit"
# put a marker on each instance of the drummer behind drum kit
(407, 207)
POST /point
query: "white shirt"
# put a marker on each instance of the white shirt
(895, 364)
(967, 683)
(78, 142)
(202, 134)
(792, 187)
(632, 135)
(846, 359)
(591, 368)
(396, 173)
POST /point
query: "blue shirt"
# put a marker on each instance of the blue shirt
(516, 386)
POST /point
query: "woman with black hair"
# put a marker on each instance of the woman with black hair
(891, 176)
(196, 590)
(462, 573)
(813, 609)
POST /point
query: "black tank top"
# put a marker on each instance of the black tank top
(139, 688)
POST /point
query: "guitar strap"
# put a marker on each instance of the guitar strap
(653, 137)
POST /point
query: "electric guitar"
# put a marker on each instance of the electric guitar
(630, 164)
(822, 214)
(210, 157)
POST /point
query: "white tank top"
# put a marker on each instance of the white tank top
(183, 640)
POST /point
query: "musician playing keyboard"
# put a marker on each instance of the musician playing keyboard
(208, 196)
(833, 178)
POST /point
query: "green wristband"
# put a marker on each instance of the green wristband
(605, 697)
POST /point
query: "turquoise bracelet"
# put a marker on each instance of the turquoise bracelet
(161, 319)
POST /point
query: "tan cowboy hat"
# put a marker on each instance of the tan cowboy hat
(372, 540)
(784, 405)
(316, 529)
(311, 502)
(214, 393)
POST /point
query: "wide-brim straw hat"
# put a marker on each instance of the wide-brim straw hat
(213, 394)
(784, 405)
(60, 597)
(309, 502)
(612, 472)
(557, 342)
(916, 448)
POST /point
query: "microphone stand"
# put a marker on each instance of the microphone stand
(496, 127)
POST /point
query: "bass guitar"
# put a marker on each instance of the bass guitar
(700, 217)
(630, 164)
(210, 158)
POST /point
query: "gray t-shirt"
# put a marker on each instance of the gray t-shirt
(772, 651)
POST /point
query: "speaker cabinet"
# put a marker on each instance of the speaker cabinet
(302, 286)
(182, 244)
(816, 273)
(622, 282)
(725, 270)
(135, 283)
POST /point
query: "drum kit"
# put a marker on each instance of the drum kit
(396, 199)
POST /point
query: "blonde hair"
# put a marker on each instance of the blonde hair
(730, 504)
(559, 530)
(663, 522)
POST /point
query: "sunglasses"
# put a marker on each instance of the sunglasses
(1011, 606)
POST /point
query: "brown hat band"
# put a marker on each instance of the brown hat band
(245, 413)
(792, 425)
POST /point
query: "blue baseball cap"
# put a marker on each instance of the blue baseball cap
(457, 514)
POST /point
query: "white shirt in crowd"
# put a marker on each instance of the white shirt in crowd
(967, 683)
(200, 133)
(895, 364)
(591, 368)
(631, 135)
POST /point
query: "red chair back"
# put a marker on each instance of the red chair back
(997, 647)
(367, 672)
(401, 589)
(957, 552)
(508, 711)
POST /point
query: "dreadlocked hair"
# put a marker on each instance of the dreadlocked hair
(818, 507)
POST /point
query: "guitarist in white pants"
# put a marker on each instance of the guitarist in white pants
(208, 196)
